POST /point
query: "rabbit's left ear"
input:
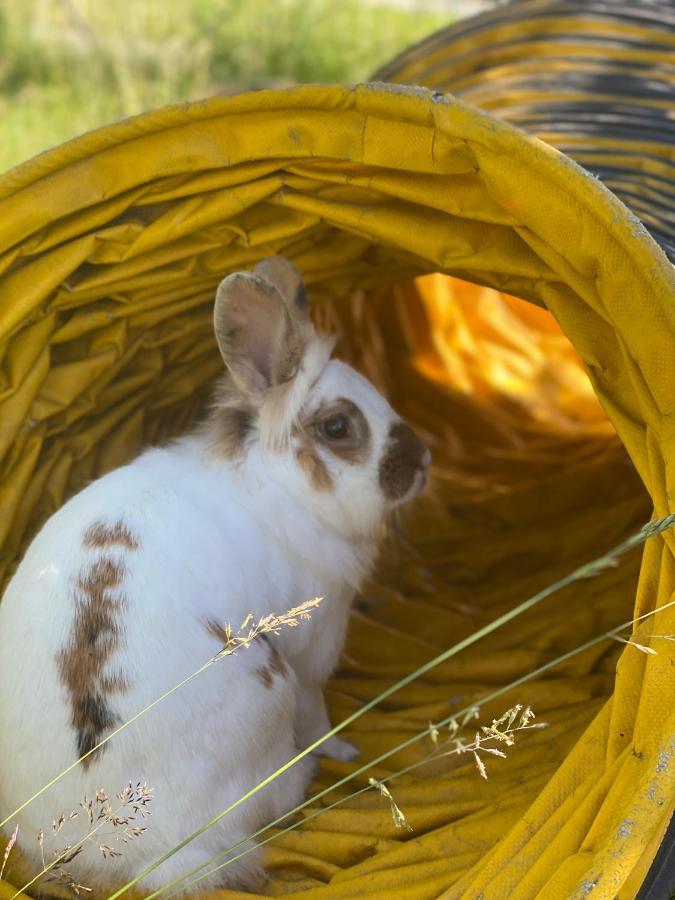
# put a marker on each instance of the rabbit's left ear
(260, 341)
(286, 278)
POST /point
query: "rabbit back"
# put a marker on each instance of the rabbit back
(126, 592)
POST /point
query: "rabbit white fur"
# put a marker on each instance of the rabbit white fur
(127, 588)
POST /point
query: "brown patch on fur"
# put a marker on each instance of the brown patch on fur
(265, 676)
(231, 420)
(233, 427)
(94, 638)
(314, 466)
(99, 535)
(277, 665)
(217, 630)
(404, 456)
(355, 448)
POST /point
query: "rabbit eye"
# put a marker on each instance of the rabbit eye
(336, 428)
(341, 428)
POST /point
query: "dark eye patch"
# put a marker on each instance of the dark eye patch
(341, 427)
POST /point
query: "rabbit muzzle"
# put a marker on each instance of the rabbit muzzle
(404, 465)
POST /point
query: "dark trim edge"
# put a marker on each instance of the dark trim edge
(660, 881)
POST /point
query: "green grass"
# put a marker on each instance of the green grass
(67, 66)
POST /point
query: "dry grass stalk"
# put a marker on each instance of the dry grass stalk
(635, 644)
(8, 850)
(269, 624)
(631, 642)
(396, 814)
(192, 877)
(591, 569)
(97, 813)
(502, 731)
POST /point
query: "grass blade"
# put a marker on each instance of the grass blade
(587, 570)
(530, 676)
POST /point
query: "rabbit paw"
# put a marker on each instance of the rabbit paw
(336, 748)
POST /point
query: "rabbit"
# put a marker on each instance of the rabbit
(276, 498)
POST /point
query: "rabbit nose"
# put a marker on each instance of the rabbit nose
(414, 450)
(405, 456)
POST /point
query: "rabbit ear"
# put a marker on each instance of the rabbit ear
(261, 343)
(286, 278)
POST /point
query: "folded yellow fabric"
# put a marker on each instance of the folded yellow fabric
(110, 250)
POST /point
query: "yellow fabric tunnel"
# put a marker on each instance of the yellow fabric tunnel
(111, 247)
(593, 79)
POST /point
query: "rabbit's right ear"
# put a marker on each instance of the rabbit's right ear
(286, 278)
(261, 343)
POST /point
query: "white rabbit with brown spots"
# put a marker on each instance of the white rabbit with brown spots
(276, 499)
